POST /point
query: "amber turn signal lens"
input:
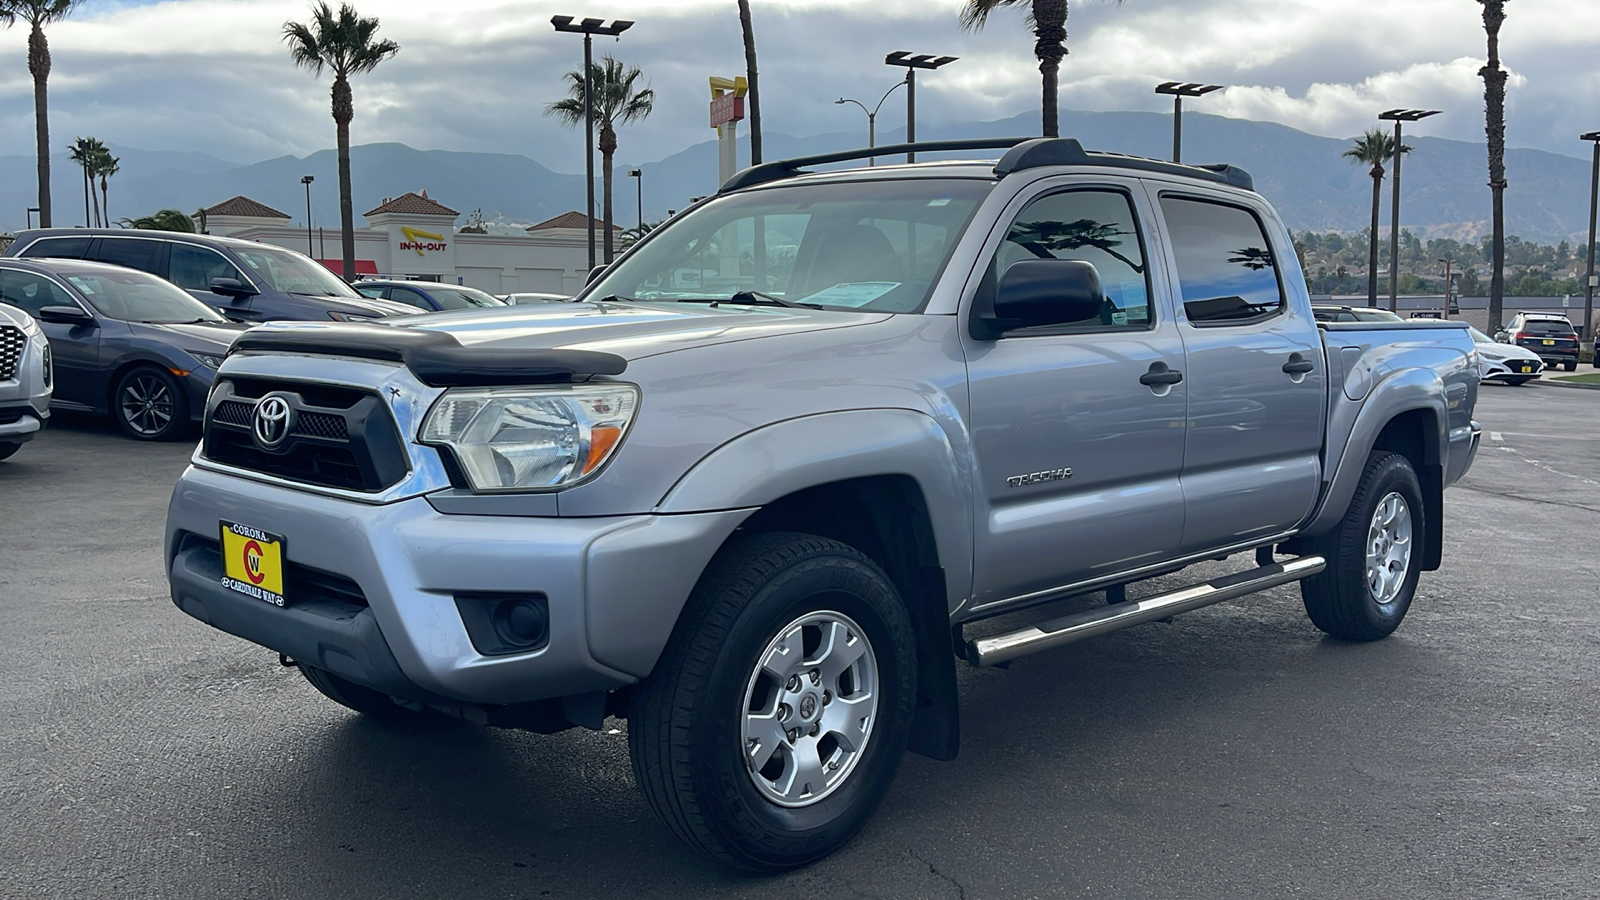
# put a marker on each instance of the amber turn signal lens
(602, 439)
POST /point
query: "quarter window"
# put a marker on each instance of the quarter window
(194, 267)
(1227, 271)
(1097, 227)
(58, 248)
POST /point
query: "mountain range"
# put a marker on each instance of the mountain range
(1302, 174)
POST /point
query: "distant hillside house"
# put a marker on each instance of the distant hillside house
(415, 236)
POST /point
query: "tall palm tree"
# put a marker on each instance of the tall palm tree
(38, 14)
(108, 166)
(347, 45)
(1494, 113)
(752, 90)
(1048, 19)
(1374, 148)
(82, 152)
(617, 101)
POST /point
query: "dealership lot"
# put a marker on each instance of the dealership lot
(1234, 752)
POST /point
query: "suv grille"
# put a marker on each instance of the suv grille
(335, 437)
(12, 343)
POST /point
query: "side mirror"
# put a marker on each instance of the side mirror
(232, 287)
(595, 273)
(1037, 292)
(65, 315)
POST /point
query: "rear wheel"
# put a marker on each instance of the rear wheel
(776, 718)
(7, 449)
(1373, 559)
(348, 694)
(149, 404)
(1572, 366)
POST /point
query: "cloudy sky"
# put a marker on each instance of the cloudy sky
(213, 75)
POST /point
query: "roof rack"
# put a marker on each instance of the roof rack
(1021, 154)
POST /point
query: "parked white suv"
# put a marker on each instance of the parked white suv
(25, 379)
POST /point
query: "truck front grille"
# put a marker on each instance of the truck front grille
(338, 437)
(12, 343)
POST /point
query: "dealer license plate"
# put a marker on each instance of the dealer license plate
(252, 562)
(1549, 343)
(1526, 368)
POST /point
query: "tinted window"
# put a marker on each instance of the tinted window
(1097, 227)
(410, 298)
(1226, 268)
(193, 267)
(59, 247)
(31, 292)
(1546, 326)
(135, 253)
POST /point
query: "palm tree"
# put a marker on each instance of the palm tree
(1048, 18)
(38, 14)
(162, 220)
(82, 152)
(1494, 113)
(107, 166)
(750, 81)
(617, 101)
(1374, 148)
(346, 44)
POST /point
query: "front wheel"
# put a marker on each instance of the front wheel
(776, 718)
(1518, 382)
(149, 404)
(1373, 559)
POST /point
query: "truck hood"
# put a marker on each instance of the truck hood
(629, 330)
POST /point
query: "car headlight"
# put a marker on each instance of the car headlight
(352, 317)
(209, 360)
(531, 439)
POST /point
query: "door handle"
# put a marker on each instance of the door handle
(1160, 375)
(1298, 365)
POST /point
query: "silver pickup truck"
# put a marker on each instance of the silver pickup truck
(751, 490)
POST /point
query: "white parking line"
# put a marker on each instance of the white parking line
(1496, 436)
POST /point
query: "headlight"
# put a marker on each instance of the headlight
(209, 360)
(351, 317)
(529, 439)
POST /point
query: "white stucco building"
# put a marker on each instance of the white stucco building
(414, 236)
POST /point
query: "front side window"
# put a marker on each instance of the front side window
(58, 248)
(135, 253)
(410, 298)
(193, 267)
(1097, 227)
(375, 291)
(870, 245)
(31, 292)
(1227, 271)
(137, 297)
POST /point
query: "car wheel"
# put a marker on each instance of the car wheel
(1518, 382)
(1373, 555)
(350, 695)
(776, 718)
(1572, 366)
(7, 449)
(149, 404)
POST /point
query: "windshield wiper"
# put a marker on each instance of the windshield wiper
(756, 298)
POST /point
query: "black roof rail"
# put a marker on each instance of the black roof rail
(1021, 154)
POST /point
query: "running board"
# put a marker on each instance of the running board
(1003, 648)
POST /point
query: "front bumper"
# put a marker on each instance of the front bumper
(1511, 368)
(25, 398)
(615, 587)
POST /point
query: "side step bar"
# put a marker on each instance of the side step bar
(1003, 648)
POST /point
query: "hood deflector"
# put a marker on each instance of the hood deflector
(435, 357)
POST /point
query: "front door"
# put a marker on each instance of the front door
(1257, 382)
(74, 349)
(1078, 460)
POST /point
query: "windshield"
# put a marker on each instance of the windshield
(136, 297)
(1376, 315)
(1479, 337)
(869, 245)
(291, 273)
(461, 298)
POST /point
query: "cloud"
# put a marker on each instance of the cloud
(213, 76)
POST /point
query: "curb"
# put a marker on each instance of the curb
(1566, 384)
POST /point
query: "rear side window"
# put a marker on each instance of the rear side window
(135, 253)
(194, 267)
(59, 247)
(31, 292)
(1226, 268)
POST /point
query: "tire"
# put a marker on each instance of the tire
(1350, 599)
(150, 405)
(7, 449)
(691, 720)
(1518, 382)
(1572, 366)
(353, 696)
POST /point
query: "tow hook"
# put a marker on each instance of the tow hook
(286, 662)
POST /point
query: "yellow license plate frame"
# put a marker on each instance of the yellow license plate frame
(252, 563)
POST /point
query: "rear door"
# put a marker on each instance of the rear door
(144, 254)
(1256, 377)
(1078, 460)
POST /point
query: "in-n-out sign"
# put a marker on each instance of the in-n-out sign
(727, 100)
(421, 241)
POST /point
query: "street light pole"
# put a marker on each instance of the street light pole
(31, 211)
(1594, 209)
(1180, 90)
(639, 185)
(872, 115)
(1447, 267)
(306, 180)
(1398, 116)
(589, 28)
(912, 62)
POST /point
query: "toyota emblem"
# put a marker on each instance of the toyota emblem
(273, 419)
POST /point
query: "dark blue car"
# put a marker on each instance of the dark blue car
(124, 342)
(430, 296)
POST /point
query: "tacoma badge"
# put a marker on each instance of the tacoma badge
(1039, 477)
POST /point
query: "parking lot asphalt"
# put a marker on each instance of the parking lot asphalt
(1232, 753)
